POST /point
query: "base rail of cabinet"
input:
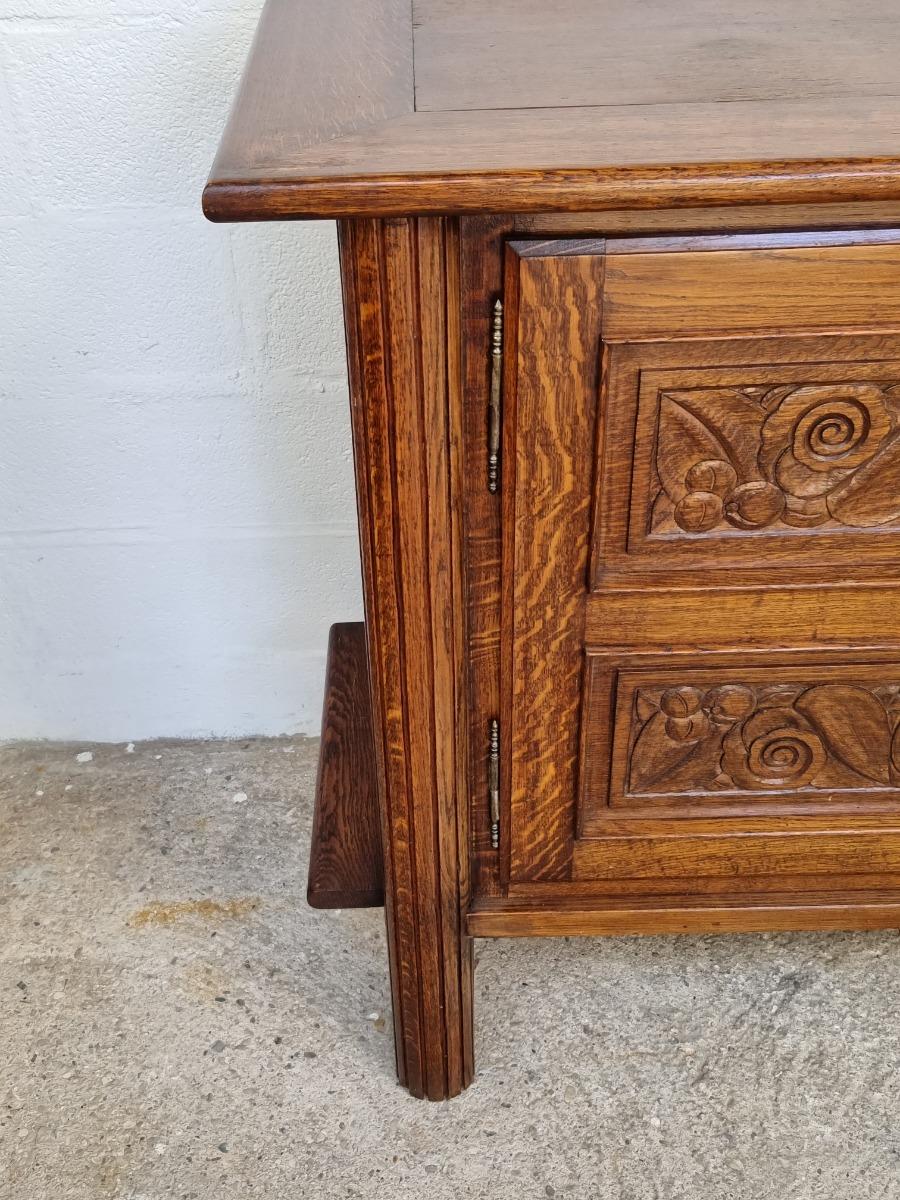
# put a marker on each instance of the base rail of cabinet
(346, 868)
(496, 917)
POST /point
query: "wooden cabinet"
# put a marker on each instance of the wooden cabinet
(625, 386)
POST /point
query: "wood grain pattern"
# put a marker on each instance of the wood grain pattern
(353, 67)
(701, 222)
(346, 863)
(706, 887)
(481, 270)
(401, 297)
(741, 913)
(729, 291)
(552, 371)
(740, 855)
(577, 54)
(326, 123)
(719, 616)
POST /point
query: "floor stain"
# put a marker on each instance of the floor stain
(206, 981)
(167, 912)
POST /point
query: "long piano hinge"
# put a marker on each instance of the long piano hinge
(494, 784)
(496, 380)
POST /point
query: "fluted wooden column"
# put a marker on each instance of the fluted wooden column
(401, 301)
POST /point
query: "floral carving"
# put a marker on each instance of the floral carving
(749, 738)
(755, 457)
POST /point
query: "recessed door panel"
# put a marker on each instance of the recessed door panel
(701, 506)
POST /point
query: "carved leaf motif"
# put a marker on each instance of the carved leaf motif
(683, 440)
(772, 397)
(661, 514)
(699, 770)
(735, 419)
(779, 695)
(854, 726)
(895, 750)
(655, 755)
(871, 495)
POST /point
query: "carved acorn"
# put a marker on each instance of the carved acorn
(685, 719)
(805, 513)
(688, 729)
(754, 505)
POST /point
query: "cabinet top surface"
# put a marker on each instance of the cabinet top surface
(379, 107)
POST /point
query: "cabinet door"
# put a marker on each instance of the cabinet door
(701, 644)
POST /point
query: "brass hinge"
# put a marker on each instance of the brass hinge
(494, 782)
(494, 413)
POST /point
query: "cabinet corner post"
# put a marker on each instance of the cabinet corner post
(402, 314)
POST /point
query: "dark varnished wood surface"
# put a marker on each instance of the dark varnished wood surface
(541, 593)
(481, 282)
(402, 301)
(346, 861)
(741, 913)
(384, 109)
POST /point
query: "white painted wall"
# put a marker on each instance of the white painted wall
(177, 522)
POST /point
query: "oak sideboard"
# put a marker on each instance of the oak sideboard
(622, 297)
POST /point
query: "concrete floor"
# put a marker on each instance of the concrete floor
(178, 1025)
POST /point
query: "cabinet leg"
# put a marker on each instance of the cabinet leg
(431, 986)
(401, 306)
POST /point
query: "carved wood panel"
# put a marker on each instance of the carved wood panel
(757, 457)
(741, 738)
(751, 454)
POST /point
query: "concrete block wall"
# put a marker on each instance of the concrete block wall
(177, 521)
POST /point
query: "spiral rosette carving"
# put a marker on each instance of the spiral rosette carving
(778, 738)
(801, 456)
(772, 750)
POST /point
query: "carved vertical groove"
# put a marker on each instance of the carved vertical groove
(401, 304)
